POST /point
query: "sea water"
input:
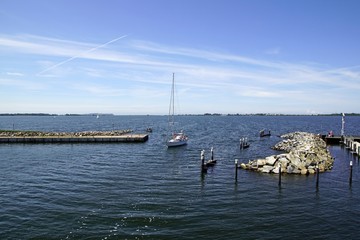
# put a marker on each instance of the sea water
(147, 191)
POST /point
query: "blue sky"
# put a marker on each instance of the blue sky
(118, 56)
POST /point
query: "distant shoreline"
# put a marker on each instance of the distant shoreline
(204, 114)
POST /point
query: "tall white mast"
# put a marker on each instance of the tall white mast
(172, 101)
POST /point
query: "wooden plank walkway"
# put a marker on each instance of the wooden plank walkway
(337, 139)
(125, 138)
(351, 142)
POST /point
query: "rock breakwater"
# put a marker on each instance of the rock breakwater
(304, 153)
(6, 133)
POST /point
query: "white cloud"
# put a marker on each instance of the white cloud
(136, 68)
(157, 57)
(17, 74)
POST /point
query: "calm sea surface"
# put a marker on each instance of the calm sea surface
(146, 191)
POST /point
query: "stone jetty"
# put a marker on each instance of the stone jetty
(303, 153)
(71, 137)
(19, 133)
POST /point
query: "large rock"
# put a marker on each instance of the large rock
(267, 169)
(261, 162)
(270, 160)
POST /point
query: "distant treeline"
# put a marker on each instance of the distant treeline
(48, 114)
(274, 114)
(27, 114)
(205, 114)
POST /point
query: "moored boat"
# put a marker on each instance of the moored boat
(177, 138)
(265, 133)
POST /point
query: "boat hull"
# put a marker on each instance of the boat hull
(265, 135)
(178, 139)
(176, 143)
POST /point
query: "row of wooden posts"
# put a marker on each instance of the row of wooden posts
(354, 147)
(350, 144)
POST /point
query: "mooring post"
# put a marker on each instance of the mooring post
(203, 166)
(317, 176)
(350, 178)
(350, 145)
(236, 169)
(279, 174)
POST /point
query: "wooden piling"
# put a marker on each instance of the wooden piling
(356, 148)
(212, 161)
(317, 176)
(236, 170)
(279, 174)
(203, 165)
(350, 178)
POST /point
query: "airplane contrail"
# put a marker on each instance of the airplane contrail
(77, 56)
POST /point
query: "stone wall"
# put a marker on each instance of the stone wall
(4, 133)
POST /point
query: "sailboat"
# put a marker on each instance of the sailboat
(177, 138)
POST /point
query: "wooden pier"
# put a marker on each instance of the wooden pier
(351, 142)
(125, 138)
(337, 139)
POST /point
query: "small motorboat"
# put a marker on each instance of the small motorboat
(265, 133)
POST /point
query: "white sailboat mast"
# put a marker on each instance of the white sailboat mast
(172, 102)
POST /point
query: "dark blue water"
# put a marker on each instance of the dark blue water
(146, 191)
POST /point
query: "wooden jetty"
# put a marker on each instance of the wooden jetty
(338, 139)
(351, 142)
(125, 138)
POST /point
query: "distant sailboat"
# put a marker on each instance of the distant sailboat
(177, 138)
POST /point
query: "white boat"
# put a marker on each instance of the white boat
(177, 138)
